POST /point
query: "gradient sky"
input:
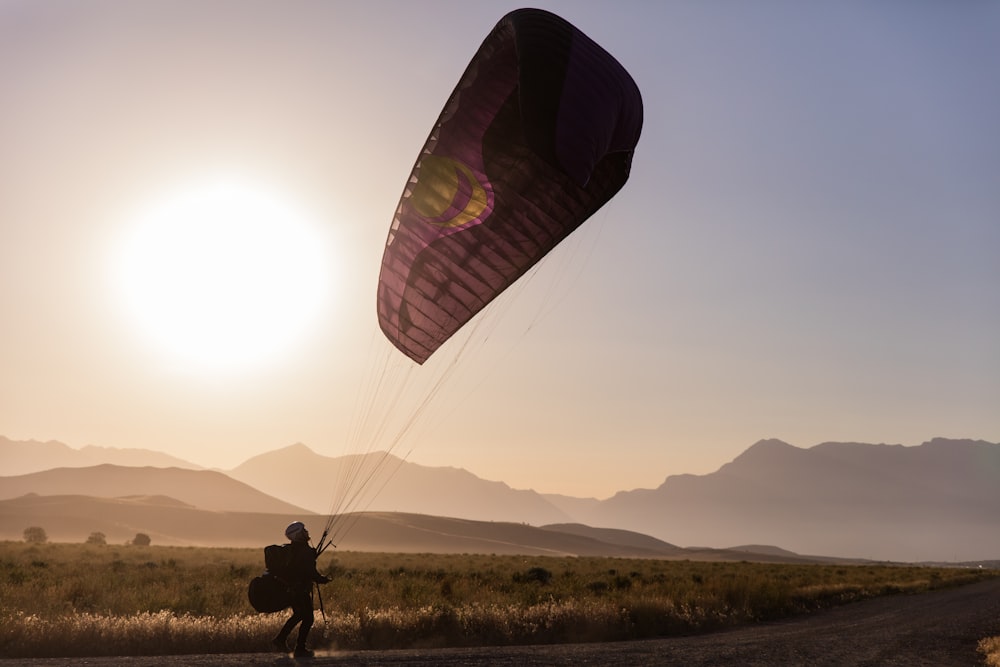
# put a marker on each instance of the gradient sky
(808, 248)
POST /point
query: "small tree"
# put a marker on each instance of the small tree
(141, 540)
(35, 535)
(97, 538)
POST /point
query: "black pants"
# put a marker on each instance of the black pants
(302, 612)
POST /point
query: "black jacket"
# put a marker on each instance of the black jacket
(302, 571)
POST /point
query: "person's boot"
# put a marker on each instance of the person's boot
(300, 641)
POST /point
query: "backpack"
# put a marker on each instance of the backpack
(267, 594)
(278, 560)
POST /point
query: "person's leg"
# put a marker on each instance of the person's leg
(308, 618)
(302, 608)
(281, 640)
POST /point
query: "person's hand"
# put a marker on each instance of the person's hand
(324, 580)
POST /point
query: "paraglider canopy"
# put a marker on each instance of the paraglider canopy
(537, 135)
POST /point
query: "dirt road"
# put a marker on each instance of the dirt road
(937, 629)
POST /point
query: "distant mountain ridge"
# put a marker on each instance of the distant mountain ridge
(203, 489)
(938, 501)
(402, 486)
(27, 456)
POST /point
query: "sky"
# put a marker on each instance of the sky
(807, 248)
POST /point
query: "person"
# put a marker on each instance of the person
(299, 576)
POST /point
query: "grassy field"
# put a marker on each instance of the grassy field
(86, 600)
(990, 648)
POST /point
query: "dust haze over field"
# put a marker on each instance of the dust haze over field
(935, 502)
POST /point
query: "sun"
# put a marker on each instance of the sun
(222, 275)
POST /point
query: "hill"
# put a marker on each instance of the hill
(72, 518)
(204, 489)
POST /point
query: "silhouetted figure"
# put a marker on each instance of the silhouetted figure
(299, 574)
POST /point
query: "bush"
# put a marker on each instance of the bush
(35, 535)
(539, 574)
(141, 540)
(97, 538)
(990, 647)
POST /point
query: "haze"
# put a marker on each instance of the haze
(807, 248)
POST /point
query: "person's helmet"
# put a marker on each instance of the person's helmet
(295, 530)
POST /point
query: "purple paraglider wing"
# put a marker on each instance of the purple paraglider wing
(538, 134)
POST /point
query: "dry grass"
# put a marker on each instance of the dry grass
(83, 600)
(991, 649)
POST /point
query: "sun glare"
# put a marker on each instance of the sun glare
(222, 276)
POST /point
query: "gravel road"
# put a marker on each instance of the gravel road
(937, 629)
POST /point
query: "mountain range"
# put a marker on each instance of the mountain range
(401, 486)
(937, 501)
(934, 502)
(19, 457)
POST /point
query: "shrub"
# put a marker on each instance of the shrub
(990, 647)
(97, 538)
(141, 540)
(539, 574)
(35, 535)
